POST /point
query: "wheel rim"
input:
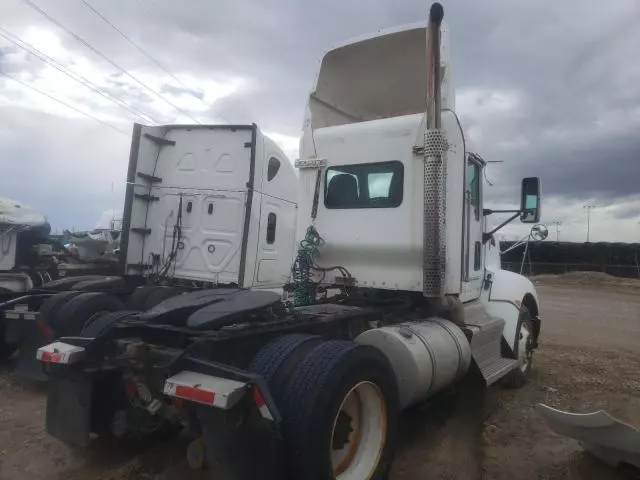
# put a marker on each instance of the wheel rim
(525, 348)
(359, 433)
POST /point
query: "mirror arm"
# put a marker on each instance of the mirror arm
(487, 236)
(488, 211)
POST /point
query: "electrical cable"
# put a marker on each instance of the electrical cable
(151, 58)
(128, 135)
(72, 74)
(175, 243)
(304, 288)
(107, 59)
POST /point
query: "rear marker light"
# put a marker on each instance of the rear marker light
(195, 394)
(60, 352)
(45, 331)
(130, 388)
(261, 404)
(50, 357)
(205, 389)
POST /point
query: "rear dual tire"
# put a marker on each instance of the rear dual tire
(339, 404)
(147, 297)
(81, 310)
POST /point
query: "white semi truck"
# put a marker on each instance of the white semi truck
(25, 258)
(395, 293)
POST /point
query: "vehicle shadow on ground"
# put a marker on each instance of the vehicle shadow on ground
(443, 438)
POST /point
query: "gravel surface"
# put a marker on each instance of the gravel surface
(588, 360)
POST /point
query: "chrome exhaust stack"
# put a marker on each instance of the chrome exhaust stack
(435, 168)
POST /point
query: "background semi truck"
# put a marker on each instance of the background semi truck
(202, 209)
(395, 292)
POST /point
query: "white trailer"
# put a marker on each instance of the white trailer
(396, 291)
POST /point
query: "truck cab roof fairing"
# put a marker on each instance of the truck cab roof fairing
(379, 76)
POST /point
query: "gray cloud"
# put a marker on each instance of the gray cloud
(181, 91)
(65, 168)
(566, 63)
(627, 212)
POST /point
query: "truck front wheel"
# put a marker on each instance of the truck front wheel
(524, 349)
(340, 414)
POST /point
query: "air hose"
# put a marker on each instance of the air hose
(303, 286)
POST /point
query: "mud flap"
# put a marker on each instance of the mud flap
(241, 447)
(599, 433)
(69, 410)
(25, 333)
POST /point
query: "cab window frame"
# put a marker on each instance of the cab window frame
(361, 172)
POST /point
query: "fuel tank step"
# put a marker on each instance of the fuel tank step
(486, 338)
(496, 369)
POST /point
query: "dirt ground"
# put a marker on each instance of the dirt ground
(588, 360)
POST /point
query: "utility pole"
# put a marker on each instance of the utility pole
(557, 224)
(588, 208)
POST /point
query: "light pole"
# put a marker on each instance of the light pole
(588, 208)
(557, 224)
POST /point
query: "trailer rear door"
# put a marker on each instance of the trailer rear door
(187, 201)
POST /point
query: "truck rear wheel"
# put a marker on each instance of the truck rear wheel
(104, 323)
(83, 309)
(277, 360)
(138, 299)
(159, 295)
(144, 298)
(340, 414)
(52, 306)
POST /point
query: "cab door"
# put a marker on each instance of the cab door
(473, 261)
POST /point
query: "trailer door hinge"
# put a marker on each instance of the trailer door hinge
(146, 197)
(159, 140)
(149, 178)
(141, 230)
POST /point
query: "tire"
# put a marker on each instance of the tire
(159, 295)
(138, 299)
(277, 360)
(144, 298)
(80, 310)
(317, 423)
(99, 325)
(525, 340)
(52, 306)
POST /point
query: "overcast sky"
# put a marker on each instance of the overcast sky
(550, 88)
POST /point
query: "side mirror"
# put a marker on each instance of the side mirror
(539, 233)
(530, 200)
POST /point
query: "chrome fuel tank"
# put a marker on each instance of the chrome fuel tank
(426, 356)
